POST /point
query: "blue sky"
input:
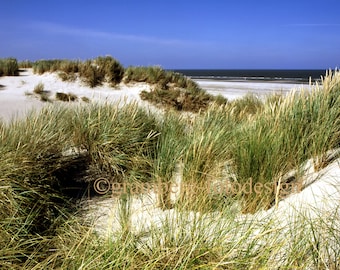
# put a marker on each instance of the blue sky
(221, 34)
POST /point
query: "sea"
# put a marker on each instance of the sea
(273, 75)
(233, 83)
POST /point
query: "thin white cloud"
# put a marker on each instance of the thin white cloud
(53, 28)
(314, 24)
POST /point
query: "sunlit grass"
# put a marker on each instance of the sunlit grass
(66, 97)
(171, 90)
(9, 67)
(245, 140)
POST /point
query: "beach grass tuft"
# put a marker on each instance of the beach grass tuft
(39, 88)
(25, 64)
(9, 67)
(65, 97)
(171, 89)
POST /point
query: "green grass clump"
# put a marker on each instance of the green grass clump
(168, 154)
(119, 140)
(150, 75)
(68, 70)
(246, 106)
(67, 77)
(92, 72)
(69, 67)
(172, 90)
(42, 66)
(9, 67)
(179, 99)
(161, 78)
(64, 66)
(182, 99)
(111, 69)
(65, 97)
(207, 151)
(31, 205)
(284, 135)
(39, 88)
(100, 70)
(35, 174)
(25, 64)
(85, 99)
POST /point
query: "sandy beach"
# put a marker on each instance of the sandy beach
(236, 89)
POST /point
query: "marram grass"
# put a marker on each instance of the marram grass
(40, 227)
(9, 67)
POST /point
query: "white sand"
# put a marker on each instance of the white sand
(15, 102)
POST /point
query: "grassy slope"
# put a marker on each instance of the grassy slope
(171, 90)
(258, 141)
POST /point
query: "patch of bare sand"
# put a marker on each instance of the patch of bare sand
(17, 98)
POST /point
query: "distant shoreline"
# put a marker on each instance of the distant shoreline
(253, 80)
(255, 75)
(232, 89)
